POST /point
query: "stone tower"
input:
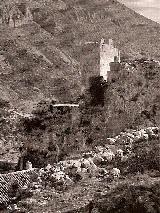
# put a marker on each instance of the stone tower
(108, 54)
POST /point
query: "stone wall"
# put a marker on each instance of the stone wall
(21, 178)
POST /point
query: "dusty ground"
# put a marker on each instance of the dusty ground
(85, 195)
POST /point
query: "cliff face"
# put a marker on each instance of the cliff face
(132, 98)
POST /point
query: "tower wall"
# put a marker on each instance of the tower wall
(108, 54)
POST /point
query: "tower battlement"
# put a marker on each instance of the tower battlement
(108, 54)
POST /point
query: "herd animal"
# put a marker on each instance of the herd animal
(131, 137)
(91, 163)
(66, 171)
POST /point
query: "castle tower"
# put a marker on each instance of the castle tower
(108, 54)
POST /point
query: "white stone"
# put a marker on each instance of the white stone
(115, 172)
(107, 55)
(48, 167)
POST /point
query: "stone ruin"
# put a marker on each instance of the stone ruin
(109, 57)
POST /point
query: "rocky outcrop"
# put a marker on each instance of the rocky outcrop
(132, 99)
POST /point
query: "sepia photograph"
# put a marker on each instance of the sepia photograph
(79, 106)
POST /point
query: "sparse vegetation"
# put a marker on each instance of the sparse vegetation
(55, 59)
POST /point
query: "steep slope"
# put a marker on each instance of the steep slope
(74, 24)
(78, 26)
(32, 68)
(67, 45)
(132, 96)
(56, 53)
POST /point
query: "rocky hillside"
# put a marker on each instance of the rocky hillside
(78, 25)
(51, 59)
(33, 68)
(59, 50)
(53, 56)
(122, 175)
(132, 97)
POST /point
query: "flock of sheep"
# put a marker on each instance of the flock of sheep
(91, 164)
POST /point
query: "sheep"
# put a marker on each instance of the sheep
(152, 132)
(88, 154)
(58, 176)
(99, 148)
(130, 135)
(155, 130)
(115, 173)
(110, 141)
(101, 172)
(119, 153)
(77, 164)
(48, 167)
(97, 159)
(92, 164)
(108, 155)
(88, 166)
